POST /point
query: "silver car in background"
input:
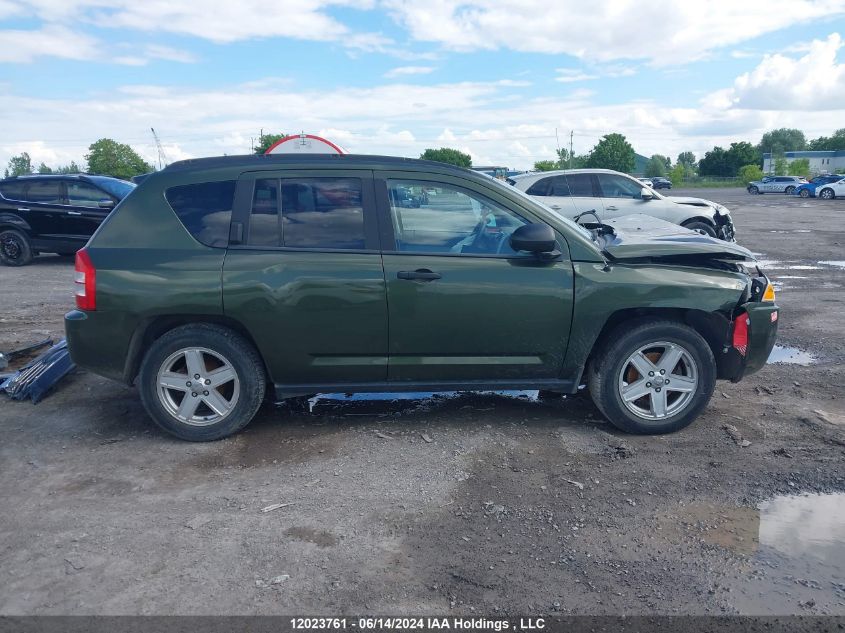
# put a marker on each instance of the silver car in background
(775, 184)
(611, 194)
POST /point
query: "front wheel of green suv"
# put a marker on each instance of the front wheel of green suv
(202, 382)
(654, 377)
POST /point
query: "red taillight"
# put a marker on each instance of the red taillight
(85, 279)
(740, 338)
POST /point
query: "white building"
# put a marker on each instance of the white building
(824, 162)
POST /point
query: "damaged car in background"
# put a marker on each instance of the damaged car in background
(612, 194)
(222, 280)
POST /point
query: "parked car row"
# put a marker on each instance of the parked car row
(827, 186)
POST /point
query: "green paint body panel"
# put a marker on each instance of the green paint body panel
(334, 318)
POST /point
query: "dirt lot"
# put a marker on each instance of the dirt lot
(514, 506)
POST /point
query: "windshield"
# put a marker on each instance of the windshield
(118, 188)
(533, 201)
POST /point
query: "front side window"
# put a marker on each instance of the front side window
(614, 186)
(81, 194)
(205, 209)
(322, 213)
(433, 217)
(44, 192)
(580, 185)
(540, 188)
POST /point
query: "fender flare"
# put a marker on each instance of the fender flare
(13, 221)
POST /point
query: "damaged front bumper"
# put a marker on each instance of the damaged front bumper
(725, 227)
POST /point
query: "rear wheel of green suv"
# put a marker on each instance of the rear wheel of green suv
(202, 382)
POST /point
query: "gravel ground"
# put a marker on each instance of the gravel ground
(469, 504)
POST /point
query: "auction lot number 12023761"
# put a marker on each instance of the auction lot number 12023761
(416, 624)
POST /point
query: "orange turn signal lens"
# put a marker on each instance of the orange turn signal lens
(769, 295)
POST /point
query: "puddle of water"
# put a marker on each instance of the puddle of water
(418, 397)
(790, 356)
(837, 263)
(806, 526)
(797, 562)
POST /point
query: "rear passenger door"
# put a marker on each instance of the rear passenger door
(569, 194)
(84, 214)
(304, 275)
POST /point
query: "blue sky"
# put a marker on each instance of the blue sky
(494, 78)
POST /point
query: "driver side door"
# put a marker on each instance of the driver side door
(462, 305)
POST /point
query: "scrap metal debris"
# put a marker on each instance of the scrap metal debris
(37, 377)
(736, 436)
(7, 357)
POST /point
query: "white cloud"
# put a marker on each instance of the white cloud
(663, 32)
(50, 41)
(569, 75)
(167, 53)
(813, 82)
(409, 70)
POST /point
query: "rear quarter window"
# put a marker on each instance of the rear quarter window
(205, 209)
(12, 190)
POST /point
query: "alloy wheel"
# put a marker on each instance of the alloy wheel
(198, 386)
(657, 381)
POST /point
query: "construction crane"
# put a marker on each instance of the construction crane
(162, 158)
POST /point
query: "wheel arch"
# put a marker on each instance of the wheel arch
(152, 328)
(12, 221)
(700, 218)
(712, 326)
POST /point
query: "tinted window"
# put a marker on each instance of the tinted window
(118, 188)
(12, 190)
(264, 226)
(308, 213)
(437, 218)
(205, 209)
(44, 191)
(613, 186)
(540, 188)
(580, 185)
(81, 194)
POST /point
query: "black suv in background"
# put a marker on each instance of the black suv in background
(53, 214)
(661, 183)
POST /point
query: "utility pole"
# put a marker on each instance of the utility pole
(571, 134)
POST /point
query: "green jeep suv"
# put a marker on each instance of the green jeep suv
(222, 281)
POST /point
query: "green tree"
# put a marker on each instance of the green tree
(677, 174)
(19, 165)
(613, 151)
(716, 162)
(747, 173)
(71, 168)
(656, 166)
(448, 155)
(545, 165)
(742, 153)
(829, 143)
(44, 169)
(782, 140)
(110, 158)
(686, 159)
(799, 167)
(781, 166)
(265, 141)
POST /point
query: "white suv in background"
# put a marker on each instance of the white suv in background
(612, 194)
(832, 190)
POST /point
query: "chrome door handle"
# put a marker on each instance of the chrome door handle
(23, 209)
(612, 208)
(74, 213)
(556, 207)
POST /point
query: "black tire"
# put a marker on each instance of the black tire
(804, 193)
(237, 351)
(611, 359)
(827, 194)
(701, 226)
(15, 249)
(789, 190)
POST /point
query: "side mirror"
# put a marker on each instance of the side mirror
(106, 203)
(645, 193)
(534, 238)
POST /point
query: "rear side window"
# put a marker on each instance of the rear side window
(308, 213)
(12, 190)
(45, 192)
(205, 209)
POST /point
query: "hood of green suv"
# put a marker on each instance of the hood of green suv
(643, 237)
